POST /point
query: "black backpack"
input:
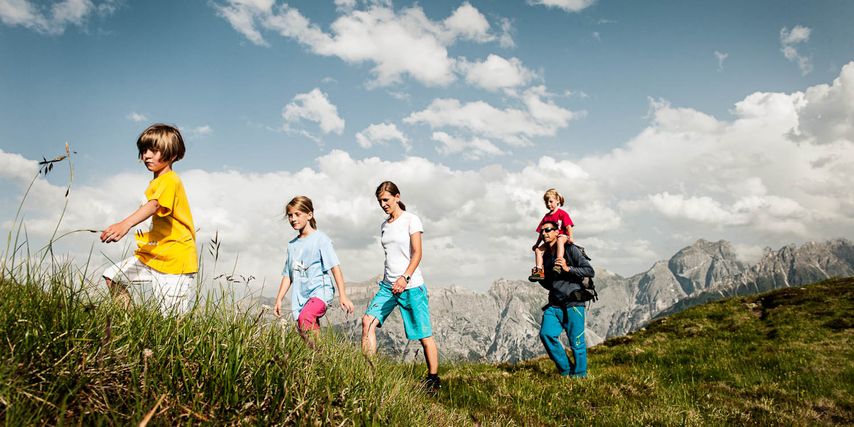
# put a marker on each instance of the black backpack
(588, 289)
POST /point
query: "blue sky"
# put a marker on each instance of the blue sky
(496, 102)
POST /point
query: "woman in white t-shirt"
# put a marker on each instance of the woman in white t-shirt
(402, 285)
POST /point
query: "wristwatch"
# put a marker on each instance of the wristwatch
(407, 278)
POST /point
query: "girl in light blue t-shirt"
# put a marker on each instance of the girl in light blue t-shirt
(313, 269)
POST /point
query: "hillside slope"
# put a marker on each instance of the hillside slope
(781, 358)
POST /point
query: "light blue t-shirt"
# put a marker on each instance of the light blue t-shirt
(308, 265)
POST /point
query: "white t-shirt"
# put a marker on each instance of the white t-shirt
(395, 237)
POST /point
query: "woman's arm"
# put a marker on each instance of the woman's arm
(415, 255)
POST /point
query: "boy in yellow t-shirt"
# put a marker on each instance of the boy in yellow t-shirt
(166, 258)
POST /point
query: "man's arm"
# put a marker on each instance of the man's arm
(579, 266)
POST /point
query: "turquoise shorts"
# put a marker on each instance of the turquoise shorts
(413, 309)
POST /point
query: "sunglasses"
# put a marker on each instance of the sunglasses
(547, 230)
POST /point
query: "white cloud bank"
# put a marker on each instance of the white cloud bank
(397, 43)
(779, 172)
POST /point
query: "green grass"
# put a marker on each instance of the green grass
(67, 359)
(783, 358)
(71, 357)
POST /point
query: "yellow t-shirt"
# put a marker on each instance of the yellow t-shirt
(170, 246)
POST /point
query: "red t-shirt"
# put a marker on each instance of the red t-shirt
(560, 217)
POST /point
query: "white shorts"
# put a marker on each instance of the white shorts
(171, 292)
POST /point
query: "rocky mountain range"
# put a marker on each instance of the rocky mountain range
(502, 324)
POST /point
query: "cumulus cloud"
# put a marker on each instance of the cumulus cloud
(565, 5)
(514, 126)
(315, 107)
(496, 73)
(54, 17)
(788, 39)
(687, 175)
(827, 112)
(381, 134)
(16, 168)
(398, 43)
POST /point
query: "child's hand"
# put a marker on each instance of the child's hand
(561, 262)
(114, 233)
(346, 304)
(277, 309)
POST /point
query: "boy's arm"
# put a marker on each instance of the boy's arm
(283, 289)
(115, 232)
(345, 302)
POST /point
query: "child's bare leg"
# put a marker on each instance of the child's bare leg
(561, 245)
(119, 292)
(311, 337)
(538, 257)
(561, 249)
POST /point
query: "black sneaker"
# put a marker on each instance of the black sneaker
(431, 384)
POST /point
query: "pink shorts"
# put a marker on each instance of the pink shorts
(313, 310)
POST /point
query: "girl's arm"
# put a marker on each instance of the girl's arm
(283, 289)
(414, 259)
(569, 234)
(115, 232)
(345, 302)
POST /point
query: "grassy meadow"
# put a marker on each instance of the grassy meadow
(71, 357)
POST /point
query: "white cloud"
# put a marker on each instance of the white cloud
(505, 37)
(16, 168)
(721, 56)
(345, 4)
(136, 117)
(381, 134)
(199, 132)
(496, 73)
(541, 117)
(687, 175)
(52, 18)
(315, 107)
(827, 112)
(566, 5)
(398, 43)
(474, 149)
(788, 39)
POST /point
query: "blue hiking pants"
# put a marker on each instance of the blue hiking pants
(555, 321)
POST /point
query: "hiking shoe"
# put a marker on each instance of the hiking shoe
(537, 274)
(431, 384)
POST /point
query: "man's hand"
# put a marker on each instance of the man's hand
(562, 264)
